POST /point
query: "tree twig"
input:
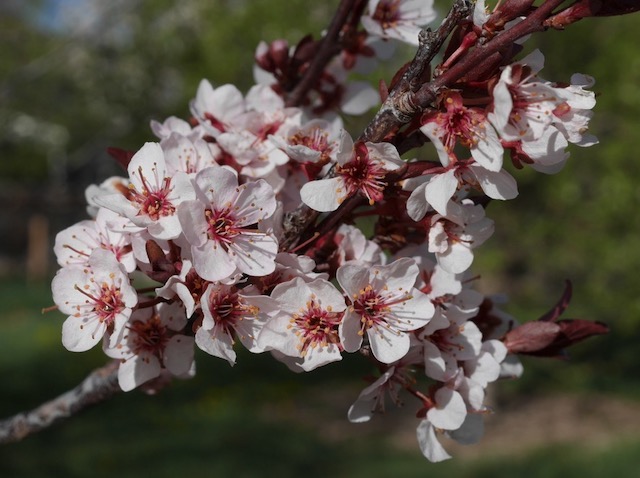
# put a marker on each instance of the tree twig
(326, 51)
(100, 385)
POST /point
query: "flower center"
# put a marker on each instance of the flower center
(387, 13)
(153, 202)
(363, 174)
(375, 309)
(316, 139)
(107, 303)
(222, 227)
(150, 336)
(316, 327)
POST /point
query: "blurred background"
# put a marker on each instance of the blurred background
(78, 76)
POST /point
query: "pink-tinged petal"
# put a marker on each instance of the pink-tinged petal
(417, 205)
(137, 370)
(165, 228)
(319, 356)
(450, 410)
(212, 262)
(255, 201)
(434, 363)
(193, 222)
(150, 160)
(443, 282)
(386, 154)
(80, 334)
(352, 278)
(473, 394)
(118, 204)
(276, 335)
(429, 444)
(432, 131)
(511, 367)
(399, 277)
(254, 254)
(388, 346)
(362, 409)
(218, 185)
(350, 332)
(488, 151)
(440, 189)
(217, 343)
(467, 342)
(415, 312)
(324, 195)
(502, 104)
(458, 258)
(500, 185)
(345, 148)
(178, 355)
(548, 150)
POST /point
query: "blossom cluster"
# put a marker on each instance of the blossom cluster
(193, 248)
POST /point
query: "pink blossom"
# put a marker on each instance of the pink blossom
(217, 108)
(223, 226)
(153, 194)
(398, 19)
(385, 306)
(361, 168)
(97, 297)
(306, 326)
(74, 245)
(152, 341)
(230, 314)
(468, 127)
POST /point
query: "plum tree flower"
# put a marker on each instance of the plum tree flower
(150, 342)
(360, 168)
(306, 326)
(217, 108)
(222, 226)
(385, 306)
(153, 195)
(466, 126)
(74, 245)
(97, 297)
(398, 19)
(230, 313)
(219, 227)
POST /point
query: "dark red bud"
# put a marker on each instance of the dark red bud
(122, 156)
(161, 267)
(550, 339)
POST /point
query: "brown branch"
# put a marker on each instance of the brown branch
(326, 51)
(100, 385)
(398, 108)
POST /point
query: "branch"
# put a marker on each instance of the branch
(326, 51)
(100, 385)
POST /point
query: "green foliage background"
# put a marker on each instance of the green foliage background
(65, 96)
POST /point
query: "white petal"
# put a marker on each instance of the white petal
(500, 185)
(324, 195)
(440, 189)
(429, 444)
(450, 410)
(136, 371)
